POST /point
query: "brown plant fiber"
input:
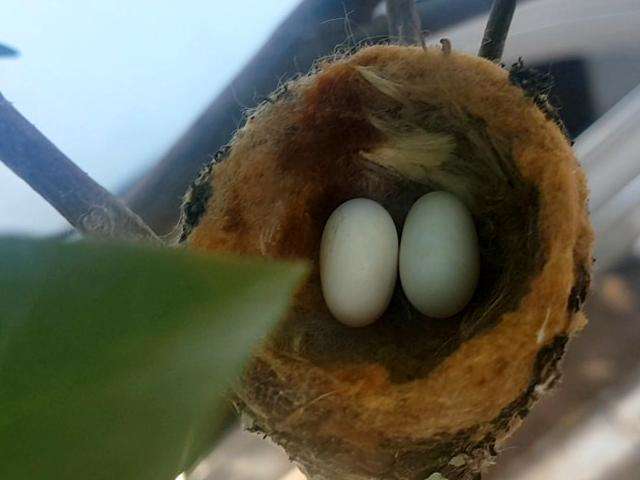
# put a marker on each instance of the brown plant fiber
(409, 395)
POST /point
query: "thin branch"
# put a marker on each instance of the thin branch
(495, 35)
(405, 25)
(86, 205)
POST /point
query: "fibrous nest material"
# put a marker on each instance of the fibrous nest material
(407, 396)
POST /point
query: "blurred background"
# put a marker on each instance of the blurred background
(114, 83)
(140, 94)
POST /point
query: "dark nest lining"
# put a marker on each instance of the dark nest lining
(505, 208)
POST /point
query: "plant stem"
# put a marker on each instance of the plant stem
(87, 206)
(404, 22)
(497, 29)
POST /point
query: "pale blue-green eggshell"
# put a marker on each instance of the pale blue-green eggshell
(439, 255)
(358, 261)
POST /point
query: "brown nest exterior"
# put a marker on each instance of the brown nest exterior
(407, 396)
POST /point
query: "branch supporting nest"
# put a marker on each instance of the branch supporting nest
(85, 204)
(495, 34)
(405, 26)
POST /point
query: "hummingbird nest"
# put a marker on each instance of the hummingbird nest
(409, 395)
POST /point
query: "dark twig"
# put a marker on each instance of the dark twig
(86, 205)
(404, 22)
(497, 29)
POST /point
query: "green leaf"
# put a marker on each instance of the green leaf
(115, 360)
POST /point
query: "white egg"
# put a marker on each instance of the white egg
(358, 261)
(439, 255)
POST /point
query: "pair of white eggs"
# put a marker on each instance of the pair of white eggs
(437, 258)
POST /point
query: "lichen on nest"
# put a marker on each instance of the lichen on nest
(401, 398)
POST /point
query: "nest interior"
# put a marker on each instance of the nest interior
(409, 395)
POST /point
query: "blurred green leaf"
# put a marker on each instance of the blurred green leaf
(114, 360)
